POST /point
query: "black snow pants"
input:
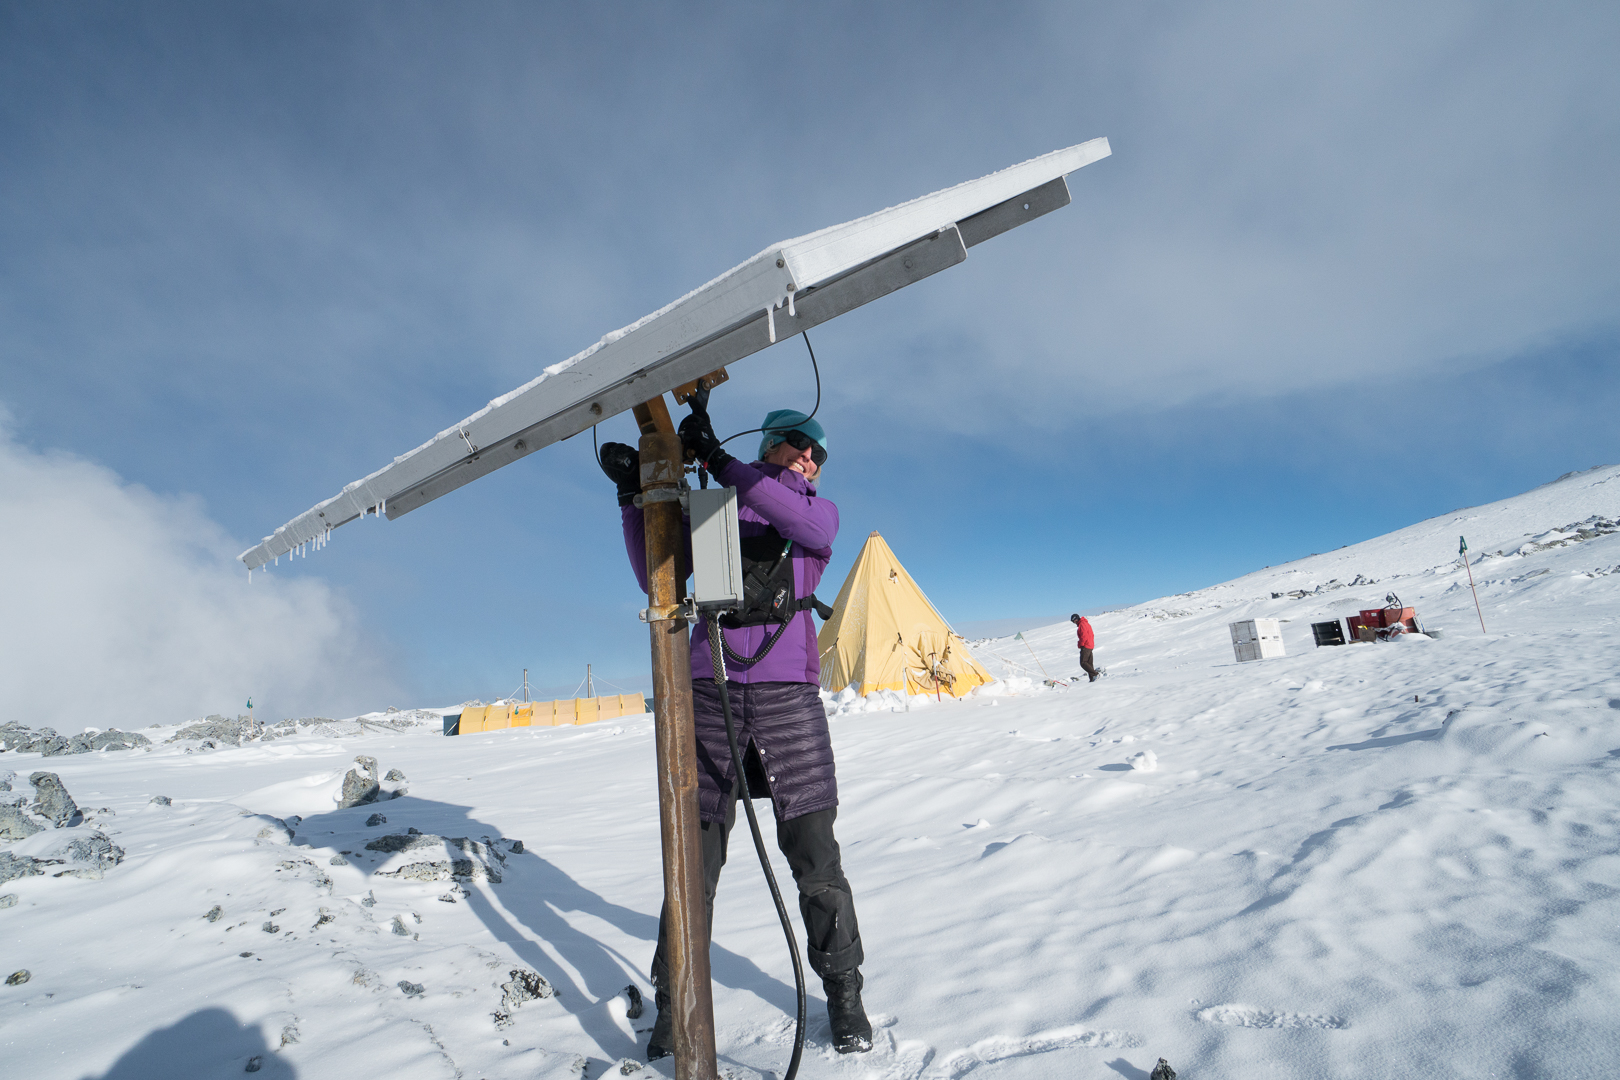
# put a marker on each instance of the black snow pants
(1087, 664)
(825, 901)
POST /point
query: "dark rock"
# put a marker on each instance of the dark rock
(113, 739)
(16, 825)
(633, 996)
(54, 801)
(79, 744)
(357, 789)
(526, 985)
(17, 978)
(413, 831)
(48, 745)
(217, 729)
(254, 1063)
(370, 899)
(481, 864)
(375, 820)
(411, 989)
(394, 774)
(400, 928)
(162, 800)
(397, 842)
(96, 850)
(517, 847)
(214, 913)
(17, 866)
(270, 927)
(1163, 1071)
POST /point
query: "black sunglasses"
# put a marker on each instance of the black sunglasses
(800, 441)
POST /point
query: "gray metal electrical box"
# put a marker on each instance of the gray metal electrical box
(717, 574)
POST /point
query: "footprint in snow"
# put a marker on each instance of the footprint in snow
(1000, 1048)
(1250, 1017)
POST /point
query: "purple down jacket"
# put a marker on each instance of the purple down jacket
(766, 495)
(781, 725)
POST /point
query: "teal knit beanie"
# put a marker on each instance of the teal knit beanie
(782, 421)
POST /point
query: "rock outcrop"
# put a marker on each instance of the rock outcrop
(46, 742)
(358, 789)
(53, 802)
(481, 862)
(15, 824)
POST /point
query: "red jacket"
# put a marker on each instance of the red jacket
(1088, 640)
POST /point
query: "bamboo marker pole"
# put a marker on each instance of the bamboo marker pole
(1462, 550)
(687, 932)
(1032, 654)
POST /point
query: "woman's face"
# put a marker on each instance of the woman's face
(798, 460)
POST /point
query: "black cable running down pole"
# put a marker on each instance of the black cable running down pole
(759, 841)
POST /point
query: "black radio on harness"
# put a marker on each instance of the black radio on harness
(769, 595)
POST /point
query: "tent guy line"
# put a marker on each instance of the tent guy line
(782, 291)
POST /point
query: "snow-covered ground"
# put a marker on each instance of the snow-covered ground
(1391, 859)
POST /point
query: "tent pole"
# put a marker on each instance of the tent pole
(686, 927)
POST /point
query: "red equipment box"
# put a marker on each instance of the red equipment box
(1382, 623)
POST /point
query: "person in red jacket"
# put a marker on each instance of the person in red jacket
(1088, 641)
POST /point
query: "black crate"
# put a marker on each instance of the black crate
(1328, 633)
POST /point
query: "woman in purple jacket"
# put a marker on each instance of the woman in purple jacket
(775, 702)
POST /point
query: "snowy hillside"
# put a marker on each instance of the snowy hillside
(1391, 859)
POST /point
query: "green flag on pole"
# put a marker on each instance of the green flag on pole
(1462, 546)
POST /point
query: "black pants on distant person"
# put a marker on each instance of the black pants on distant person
(1087, 664)
(832, 936)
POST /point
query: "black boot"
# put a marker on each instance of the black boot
(662, 1042)
(851, 1030)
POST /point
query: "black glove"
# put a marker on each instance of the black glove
(623, 465)
(697, 433)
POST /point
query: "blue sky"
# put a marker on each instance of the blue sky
(1349, 266)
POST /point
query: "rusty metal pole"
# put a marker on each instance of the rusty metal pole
(691, 994)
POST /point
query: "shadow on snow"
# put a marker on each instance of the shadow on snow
(209, 1042)
(536, 900)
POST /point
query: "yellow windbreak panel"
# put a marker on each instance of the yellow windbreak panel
(569, 711)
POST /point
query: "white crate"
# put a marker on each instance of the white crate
(1257, 639)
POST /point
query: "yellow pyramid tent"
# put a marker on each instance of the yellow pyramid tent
(885, 635)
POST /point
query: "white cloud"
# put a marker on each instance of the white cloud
(126, 608)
